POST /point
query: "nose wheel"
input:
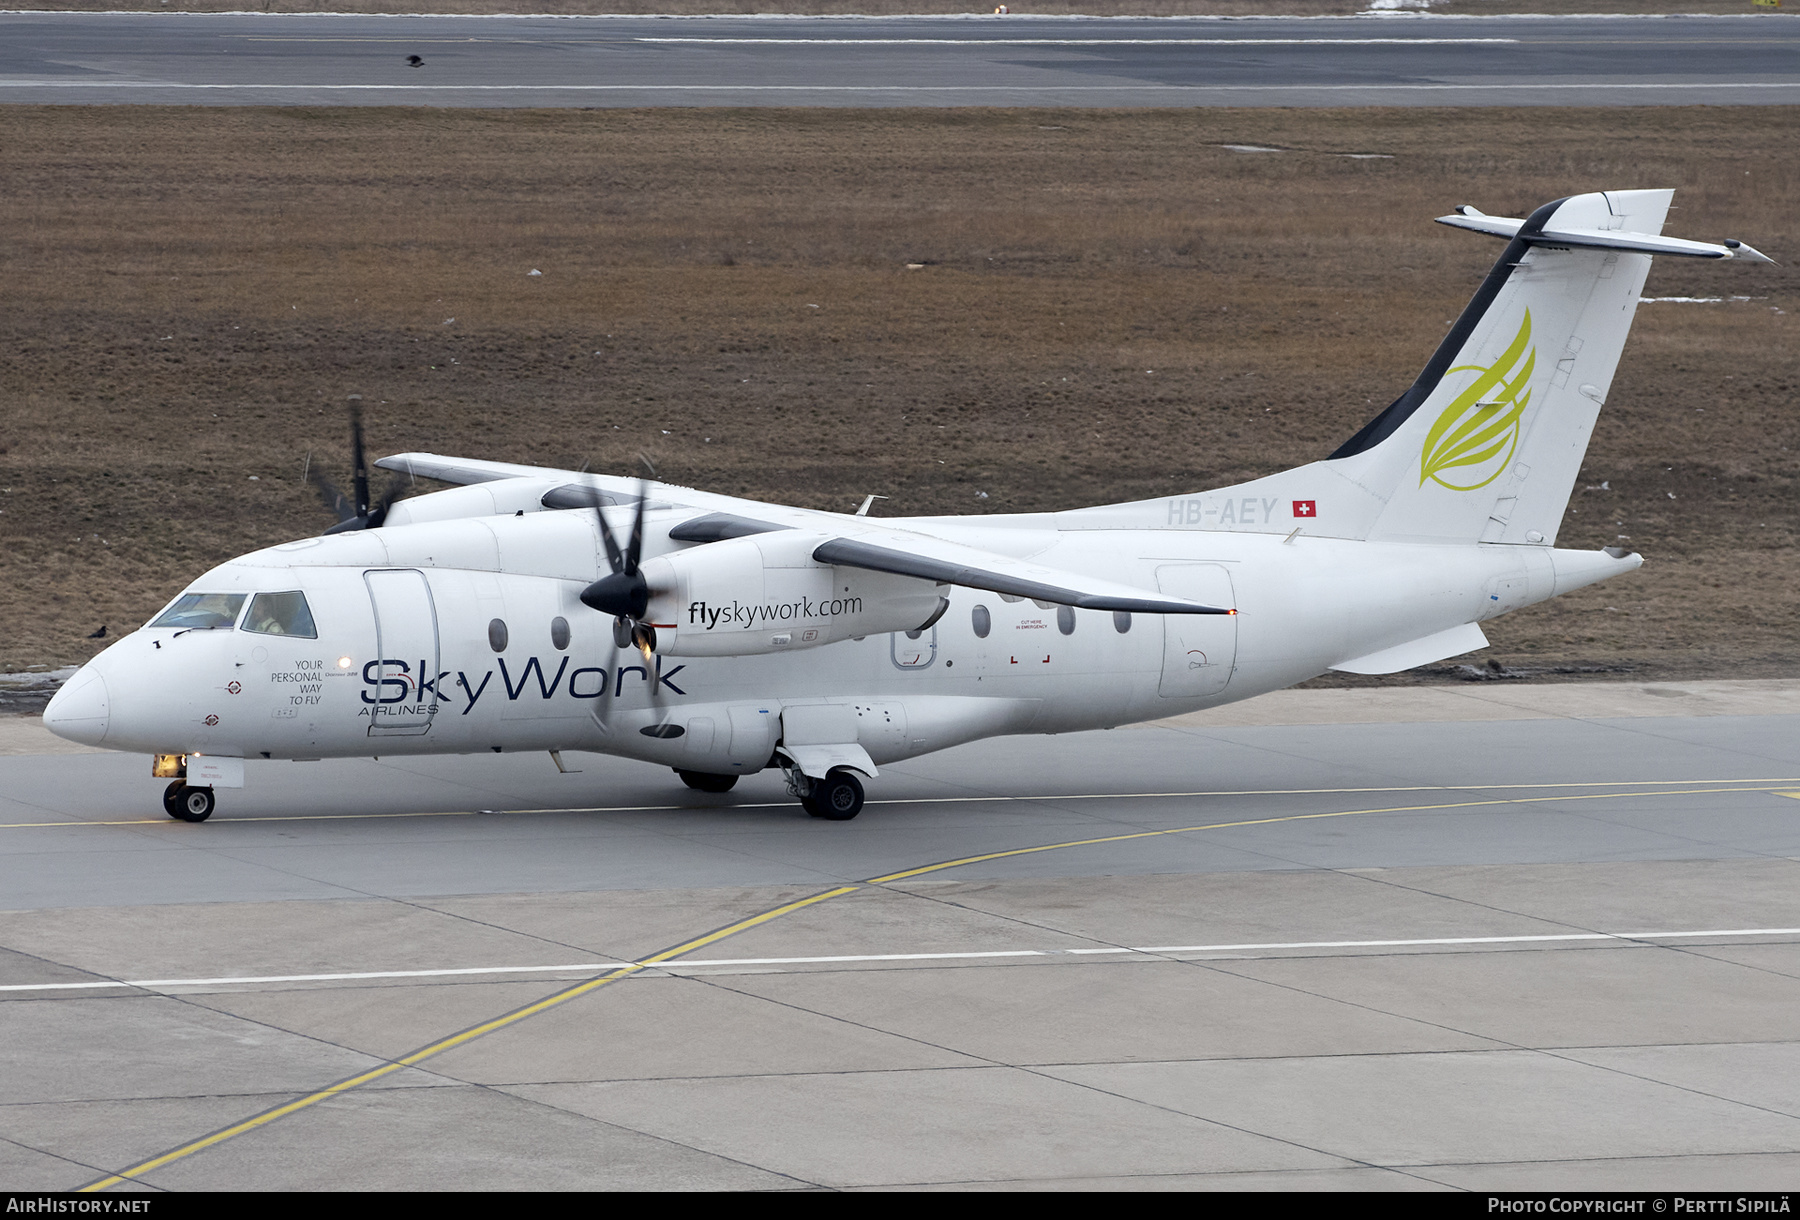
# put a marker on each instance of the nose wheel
(188, 804)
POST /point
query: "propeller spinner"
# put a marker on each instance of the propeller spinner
(624, 593)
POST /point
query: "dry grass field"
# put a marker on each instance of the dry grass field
(1112, 305)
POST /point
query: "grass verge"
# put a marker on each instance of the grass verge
(1107, 305)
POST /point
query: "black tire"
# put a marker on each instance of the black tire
(836, 798)
(194, 804)
(706, 781)
(172, 798)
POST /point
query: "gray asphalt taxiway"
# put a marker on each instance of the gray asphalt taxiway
(342, 59)
(1483, 937)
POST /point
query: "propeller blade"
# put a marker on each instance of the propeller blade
(378, 513)
(624, 592)
(359, 460)
(355, 512)
(613, 557)
(603, 705)
(334, 499)
(635, 549)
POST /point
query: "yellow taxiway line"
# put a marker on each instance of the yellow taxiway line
(558, 998)
(457, 1039)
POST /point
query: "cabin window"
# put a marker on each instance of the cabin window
(982, 621)
(497, 634)
(1121, 621)
(559, 632)
(281, 614)
(202, 611)
(1065, 619)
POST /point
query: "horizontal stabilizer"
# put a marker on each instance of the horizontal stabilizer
(1600, 239)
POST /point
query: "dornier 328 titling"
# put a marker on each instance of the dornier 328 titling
(724, 636)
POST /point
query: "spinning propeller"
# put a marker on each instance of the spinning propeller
(357, 514)
(624, 593)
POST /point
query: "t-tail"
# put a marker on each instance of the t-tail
(1486, 444)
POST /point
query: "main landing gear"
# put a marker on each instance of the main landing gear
(836, 798)
(188, 804)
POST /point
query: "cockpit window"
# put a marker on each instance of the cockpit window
(201, 611)
(281, 614)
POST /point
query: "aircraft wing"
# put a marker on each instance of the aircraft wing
(896, 551)
(466, 470)
(906, 554)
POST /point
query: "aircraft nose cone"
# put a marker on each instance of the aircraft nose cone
(79, 711)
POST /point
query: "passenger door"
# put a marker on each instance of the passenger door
(406, 646)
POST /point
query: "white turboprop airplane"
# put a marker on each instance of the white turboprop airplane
(728, 635)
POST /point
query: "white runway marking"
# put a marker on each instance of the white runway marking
(900, 42)
(1090, 42)
(1706, 787)
(860, 958)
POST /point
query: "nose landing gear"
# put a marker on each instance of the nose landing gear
(188, 804)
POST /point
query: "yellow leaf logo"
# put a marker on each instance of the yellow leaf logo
(1478, 432)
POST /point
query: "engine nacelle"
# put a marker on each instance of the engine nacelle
(766, 593)
(501, 497)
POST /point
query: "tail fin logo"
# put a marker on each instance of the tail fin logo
(1474, 439)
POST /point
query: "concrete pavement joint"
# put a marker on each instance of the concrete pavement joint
(470, 1033)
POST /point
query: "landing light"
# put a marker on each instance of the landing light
(343, 662)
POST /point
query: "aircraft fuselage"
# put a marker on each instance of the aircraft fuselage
(471, 658)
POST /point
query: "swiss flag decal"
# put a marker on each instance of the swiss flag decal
(1305, 508)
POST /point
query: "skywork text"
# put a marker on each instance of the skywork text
(704, 614)
(396, 689)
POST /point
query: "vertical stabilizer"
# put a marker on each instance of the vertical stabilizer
(1487, 443)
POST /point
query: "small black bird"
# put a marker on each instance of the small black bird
(100, 634)
(415, 61)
